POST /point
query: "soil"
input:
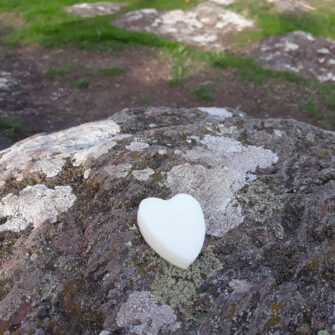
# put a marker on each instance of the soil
(45, 103)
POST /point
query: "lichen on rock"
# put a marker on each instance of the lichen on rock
(34, 205)
(259, 201)
(81, 266)
(178, 287)
(225, 168)
(47, 153)
(143, 316)
(143, 175)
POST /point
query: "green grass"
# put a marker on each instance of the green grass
(55, 73)
(251, 71)
(81, 83)
(328, 92)
(10, 128)
(203, 93)
(311, 107)
(143, 102)
(319, 22)
(112, 71)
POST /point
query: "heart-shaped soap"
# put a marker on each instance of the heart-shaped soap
(174, 228)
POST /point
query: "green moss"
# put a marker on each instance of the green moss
(178, 288)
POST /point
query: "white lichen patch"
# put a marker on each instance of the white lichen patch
(204, 25)
(47, 153)
(118, 171)
(215, 111)
(239, 286)
(87, 173)
(143, 175)
(143, 316)
(94, 9)
(214, 173)
(35, 205)
(137, 146)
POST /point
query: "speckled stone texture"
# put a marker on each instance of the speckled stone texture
(267, 188)
(206, 25)
(94, 9)
(298, 52)
(294, 6)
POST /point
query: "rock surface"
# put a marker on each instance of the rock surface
(299, 52)
(294, 6)
(95, 9)
(205, 25)
(81, 266)
(6, 81)
(223, 2)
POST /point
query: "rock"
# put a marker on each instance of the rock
(205, 25)
(80, 265)
(298, 52)
(7, 81)
(223, 2)
(95, 9)
(294, 6)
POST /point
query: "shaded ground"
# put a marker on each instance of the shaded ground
(58, 88)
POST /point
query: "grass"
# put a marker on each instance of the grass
(181, 59)
(9, 53)
(319, 22)
(112, 71)
(10, 128)
(55, 73)
(328, 93)
(251, 71)
(311, 107)
(81, 83)
(203, 93)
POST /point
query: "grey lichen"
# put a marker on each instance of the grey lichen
(118, 171)
(213, 174)
(143, 175)
(137, 145)
(143, 316)
(259, 201)
(178, 287)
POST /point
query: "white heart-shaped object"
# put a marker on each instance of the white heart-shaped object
(174, 228)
